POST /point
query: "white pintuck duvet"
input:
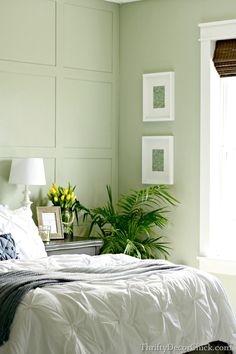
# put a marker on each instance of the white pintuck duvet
(171, 311)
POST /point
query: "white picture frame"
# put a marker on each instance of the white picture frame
(157, 159)
(158, 97)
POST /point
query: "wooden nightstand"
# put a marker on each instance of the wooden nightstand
(75, 245)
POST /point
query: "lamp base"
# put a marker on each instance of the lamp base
(26, 201)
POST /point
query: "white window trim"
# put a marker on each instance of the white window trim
(209, 33)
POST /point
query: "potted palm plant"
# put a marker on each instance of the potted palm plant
(131, 226)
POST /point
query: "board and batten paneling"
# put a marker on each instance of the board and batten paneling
(94, 181)
(59, 94)
(87, 107)
(27, 103)
(94, 53)
(27, 31)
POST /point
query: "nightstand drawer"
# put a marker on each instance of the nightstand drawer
(90, 247)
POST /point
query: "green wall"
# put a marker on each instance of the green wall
(158, 36)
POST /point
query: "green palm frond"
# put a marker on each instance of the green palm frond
(155, 247)
(150, 247)
(131, 227)
(146, 198)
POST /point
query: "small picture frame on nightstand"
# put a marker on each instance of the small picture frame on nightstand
(51, 216)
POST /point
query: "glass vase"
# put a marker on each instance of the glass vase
(67, 217)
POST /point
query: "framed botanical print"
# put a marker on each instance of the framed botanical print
(158, 97)
(157, 159)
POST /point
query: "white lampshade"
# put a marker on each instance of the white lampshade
(28, 171)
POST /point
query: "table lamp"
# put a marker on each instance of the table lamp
(28, 171)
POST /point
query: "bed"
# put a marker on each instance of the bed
(113, 304)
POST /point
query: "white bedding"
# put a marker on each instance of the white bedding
(170, 311)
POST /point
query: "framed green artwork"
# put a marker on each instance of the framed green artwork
(158, 97)
(157, 159)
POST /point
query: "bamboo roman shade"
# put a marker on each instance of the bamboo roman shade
(225, 57)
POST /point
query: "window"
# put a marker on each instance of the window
(218, 150)
(222, 237)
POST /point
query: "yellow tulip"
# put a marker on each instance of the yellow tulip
(55, 186)
(53, 191)
(63, 196)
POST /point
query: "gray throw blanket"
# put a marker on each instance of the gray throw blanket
(14, 285)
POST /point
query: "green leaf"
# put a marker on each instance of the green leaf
(132, 226)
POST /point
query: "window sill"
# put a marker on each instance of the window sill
(217, 265)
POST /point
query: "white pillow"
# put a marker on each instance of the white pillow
(25, 233)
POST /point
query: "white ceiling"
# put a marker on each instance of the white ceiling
(121, 1)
